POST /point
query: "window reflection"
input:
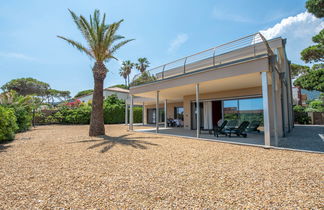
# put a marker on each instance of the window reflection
(250, 109)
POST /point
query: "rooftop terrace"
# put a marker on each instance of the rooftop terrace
(252, 46)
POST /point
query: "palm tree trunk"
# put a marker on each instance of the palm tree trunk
(125, 82)
(97, 126)
(128, 80)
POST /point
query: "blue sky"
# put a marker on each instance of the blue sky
(164, 31)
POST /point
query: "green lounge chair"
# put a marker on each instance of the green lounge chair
(220, 129)
(254, 126)
(240, 131)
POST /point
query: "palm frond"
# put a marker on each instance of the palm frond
(77, 45)
(119, 45)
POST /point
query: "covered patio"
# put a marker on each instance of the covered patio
(252, 138)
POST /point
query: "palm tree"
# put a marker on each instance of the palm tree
(127, 66)
(101, 47)
(142, 64)
(123, 73)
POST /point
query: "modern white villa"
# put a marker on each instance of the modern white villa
(247, 79)
(119, 92)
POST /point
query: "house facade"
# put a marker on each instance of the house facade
(119, 92)
(245, 80)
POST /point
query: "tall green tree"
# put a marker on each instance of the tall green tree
(126, 68)
(26, 86)
(101, 46)
(315, 7)
(313, 79)
(142, 64)
(83, 93)
(315, 53)
(298, 70)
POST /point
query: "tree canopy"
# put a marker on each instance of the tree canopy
(26, 86)
(315, 7)
(314, 53)
(83, 93)
(142, 64)
(298, 70)
(313, 79)
(120, 86)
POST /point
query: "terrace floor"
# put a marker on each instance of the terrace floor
(303, 137)
(61, 167)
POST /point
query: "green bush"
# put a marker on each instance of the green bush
(137, 114)
(301, 115)
(8, 125)
(78, 115)
(24, 117)
(315, 106)
(114, 113)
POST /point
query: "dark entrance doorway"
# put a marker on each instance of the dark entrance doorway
(217, 111)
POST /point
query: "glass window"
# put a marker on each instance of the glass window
(248, 109)
(231, 110)
(151, 115)
(178, 113)
(251, 109)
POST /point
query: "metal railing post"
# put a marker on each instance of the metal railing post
(184, 65)
(214, 56)
(163, 72)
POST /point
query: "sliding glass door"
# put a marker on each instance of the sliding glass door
(245, 109)
(248, 109)
(151, 116)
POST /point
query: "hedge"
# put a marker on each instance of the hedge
(8, 125)
(114, 113)
(24, 117)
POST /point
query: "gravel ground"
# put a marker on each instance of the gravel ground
(61, 167)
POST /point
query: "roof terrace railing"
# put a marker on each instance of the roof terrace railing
(250, 46)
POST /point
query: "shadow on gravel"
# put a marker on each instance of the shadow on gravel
(3, 147)
(108, 142)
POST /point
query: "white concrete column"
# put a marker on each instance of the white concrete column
(197, 110)
(266, 107)
(143, 113)
(131, 114)
(126, 113)
(165, 113)
(274, 106)
(157, 111)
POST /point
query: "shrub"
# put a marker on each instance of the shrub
(79, 115)
(8, 125)
(301, 116)
(315, 106)
(114, 113)
(24, 117)
(137, 114)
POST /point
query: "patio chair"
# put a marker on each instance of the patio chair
(220, 129)
(240, 131)
(254, 126)
(171, 123)
(231, 124)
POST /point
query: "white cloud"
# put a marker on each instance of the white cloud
(177, 42)
(298, 30)
(301, 25)
(17, 56)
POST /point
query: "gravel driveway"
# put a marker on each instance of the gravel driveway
(61, 167)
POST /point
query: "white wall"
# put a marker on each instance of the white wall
(106, 93)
